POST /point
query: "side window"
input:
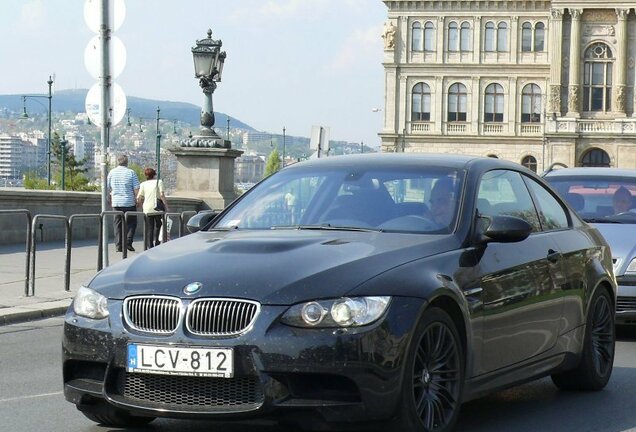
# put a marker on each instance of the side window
(504, 193)
(551, 214)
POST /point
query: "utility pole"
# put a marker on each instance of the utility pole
(105, 84)
(48, 145)
(158, 147)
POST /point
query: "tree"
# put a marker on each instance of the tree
(139, 170)
(74, 178)
(33, 181)
(273, 163)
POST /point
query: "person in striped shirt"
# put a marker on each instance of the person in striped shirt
(123, 185)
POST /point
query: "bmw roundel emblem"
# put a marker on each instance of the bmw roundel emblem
(192, 288)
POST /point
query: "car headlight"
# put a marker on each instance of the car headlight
(631, 268)
(342, 312)
(90, 304)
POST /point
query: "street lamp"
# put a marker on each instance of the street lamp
(158, 135)
(63, 144)
(283, 146)
(48, 113)
(208, 67)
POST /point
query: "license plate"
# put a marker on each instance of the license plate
(168, 360)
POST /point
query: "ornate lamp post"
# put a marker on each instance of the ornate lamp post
(25, 115)
(208, 67)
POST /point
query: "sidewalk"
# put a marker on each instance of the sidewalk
(50, 298)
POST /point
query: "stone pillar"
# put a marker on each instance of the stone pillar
(620, 73)
(574, 90)
(514, 39)
(556, 57)
(440, 37)
(206, 173)
(477, 40)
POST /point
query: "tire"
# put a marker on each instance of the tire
(433, 378)
(597, 357)
(110, 416)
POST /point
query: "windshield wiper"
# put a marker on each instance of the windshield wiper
(326, 227)
(604, 220)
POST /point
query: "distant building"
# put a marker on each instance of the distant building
(11, 154)
(532, 82)
(249, 169)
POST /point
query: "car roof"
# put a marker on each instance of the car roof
(398, 160)
(592, 172)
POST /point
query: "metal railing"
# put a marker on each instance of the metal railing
(67, 248)
(28, 243)
(31, 243)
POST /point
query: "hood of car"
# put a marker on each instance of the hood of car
(622, 242)
(272, 266)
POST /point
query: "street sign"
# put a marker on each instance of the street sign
(93, 56)
(94, 102)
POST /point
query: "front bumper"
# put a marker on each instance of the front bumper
(342, 375)
(626, 300)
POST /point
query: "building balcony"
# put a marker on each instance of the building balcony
(493, 128)
(531, 129)
(421, 128)
(596, 126)
(455, 128)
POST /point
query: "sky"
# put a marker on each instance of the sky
(290, 63)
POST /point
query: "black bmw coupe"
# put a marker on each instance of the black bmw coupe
(378, 290)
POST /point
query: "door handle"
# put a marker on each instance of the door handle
(553, 256)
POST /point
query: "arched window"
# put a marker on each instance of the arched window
(429, 37)
(539, 37)
(489, 37)
(502, 37)
(595, 158)
(531, 104)
(453, 37)
(457, 102)
(465, 38)
(416, 36)
(597, 78)
(421, 102)
(494, 103)
(530, 162)
(526, 37)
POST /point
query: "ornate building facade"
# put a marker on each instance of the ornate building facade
(535, 82)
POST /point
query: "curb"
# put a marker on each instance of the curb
(19, 315)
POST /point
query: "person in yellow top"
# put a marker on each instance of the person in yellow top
(150, 193)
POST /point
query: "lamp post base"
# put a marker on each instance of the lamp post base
(206, 138)
(206, 174)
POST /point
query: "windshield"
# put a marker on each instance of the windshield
(422, 200)
(599, 198)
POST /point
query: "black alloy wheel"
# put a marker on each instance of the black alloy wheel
(597, 357)
(434, 377)
(603, 337)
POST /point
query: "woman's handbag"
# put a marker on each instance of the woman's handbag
(159, 206)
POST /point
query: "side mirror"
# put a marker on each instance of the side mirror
(201, 219)
(506, 229)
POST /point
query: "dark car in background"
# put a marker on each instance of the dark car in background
(606, 198)
(383, 290)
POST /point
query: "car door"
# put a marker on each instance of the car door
(574, 249)
(520, 314)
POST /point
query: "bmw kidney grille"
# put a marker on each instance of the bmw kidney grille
(204, 317)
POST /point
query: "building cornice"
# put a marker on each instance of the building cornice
(466, 5)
